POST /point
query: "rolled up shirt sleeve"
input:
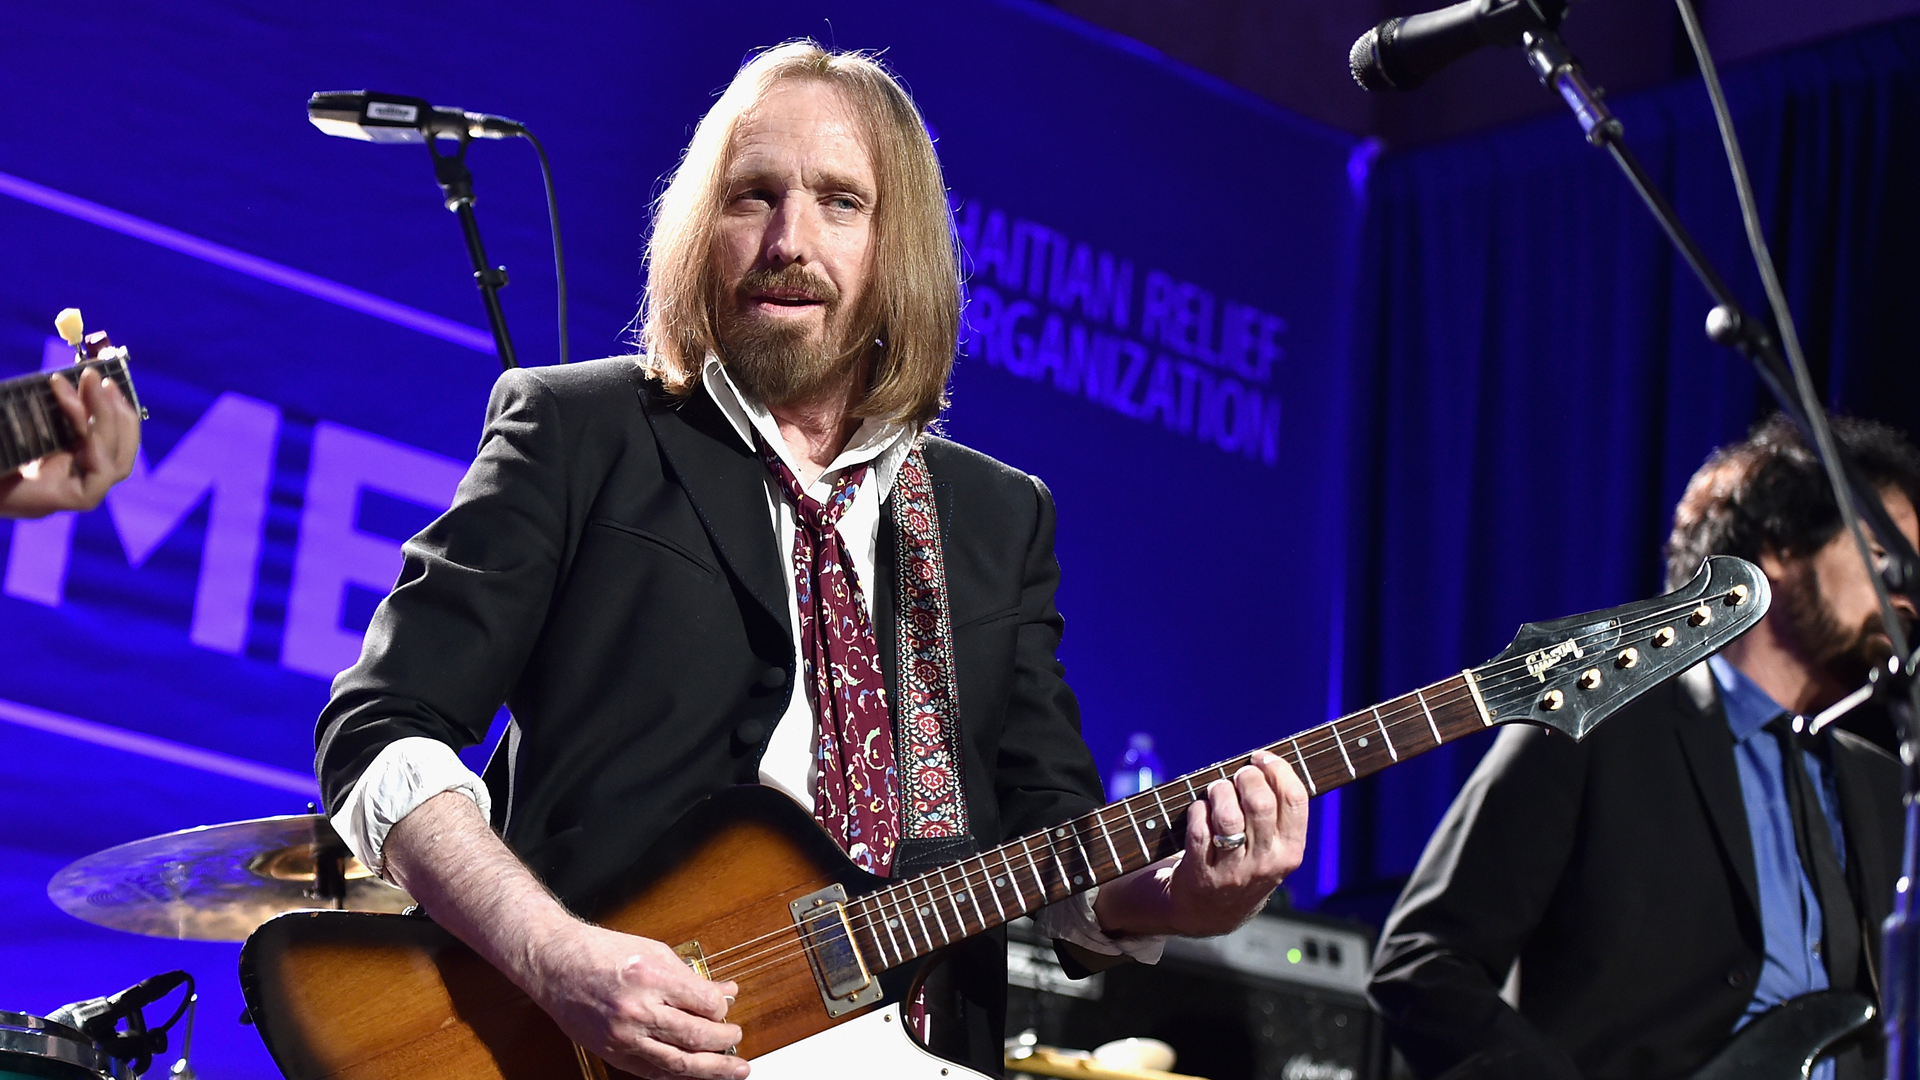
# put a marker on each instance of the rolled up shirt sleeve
(1073, 920)
(406, 773)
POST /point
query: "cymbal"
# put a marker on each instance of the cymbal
(218, 882)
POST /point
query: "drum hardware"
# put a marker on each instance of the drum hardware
(220, 882)
(213, 883)
(37, 1047)
(181, 1069)
(117, 1025)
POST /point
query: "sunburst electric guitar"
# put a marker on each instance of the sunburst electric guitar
(746, 887)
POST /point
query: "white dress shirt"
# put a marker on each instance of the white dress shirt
(409, 771)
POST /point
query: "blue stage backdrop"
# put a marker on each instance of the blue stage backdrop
(1156, 328)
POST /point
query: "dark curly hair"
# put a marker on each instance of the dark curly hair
(1770, 492)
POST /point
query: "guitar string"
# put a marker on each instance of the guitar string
(39, 380)
(898, 899)
(1404, 714)
(909, 894)
(22, 394)
(930, 886)
(30, 423)
(33, 394)
(1493, 679)
(895, 901)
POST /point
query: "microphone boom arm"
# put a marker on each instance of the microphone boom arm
(1727, 324)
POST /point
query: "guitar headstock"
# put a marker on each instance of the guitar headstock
(98, 351)
(1572, 673)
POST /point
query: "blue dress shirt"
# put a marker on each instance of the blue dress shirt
(1790, 918)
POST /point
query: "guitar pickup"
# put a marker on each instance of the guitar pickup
(844, 981)
(695, 957)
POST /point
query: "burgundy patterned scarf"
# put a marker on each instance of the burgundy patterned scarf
(870, 792)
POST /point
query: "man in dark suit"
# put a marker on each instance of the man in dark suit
(740, 559)
(1661, 883)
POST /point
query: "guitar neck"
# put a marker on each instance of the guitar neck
(31, 422)
(914, 917)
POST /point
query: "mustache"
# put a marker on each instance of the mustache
(793, 276)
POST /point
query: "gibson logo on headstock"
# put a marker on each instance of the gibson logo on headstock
(1539, 660)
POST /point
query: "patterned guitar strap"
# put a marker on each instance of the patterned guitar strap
(927, 715)
(927, 712)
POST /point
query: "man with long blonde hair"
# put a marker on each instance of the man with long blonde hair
(744, 560)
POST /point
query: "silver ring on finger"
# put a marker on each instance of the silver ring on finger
(1229, 842)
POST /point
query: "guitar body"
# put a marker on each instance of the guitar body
(1784, 1042)
(369, 996)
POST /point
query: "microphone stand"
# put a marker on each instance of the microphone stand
(456, 185)
(1728, 325)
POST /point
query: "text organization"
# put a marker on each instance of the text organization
(1045, 307)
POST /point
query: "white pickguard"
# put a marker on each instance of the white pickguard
(874, 1046)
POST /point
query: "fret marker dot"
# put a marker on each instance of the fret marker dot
(1151, 823)
(1363, 740)
(1076, 879)
(893, 922)
(1060, 833)
(999, 882)
(926, 911)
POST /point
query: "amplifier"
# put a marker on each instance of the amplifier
(1282, 998)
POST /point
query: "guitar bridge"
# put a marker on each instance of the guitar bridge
(844, 981)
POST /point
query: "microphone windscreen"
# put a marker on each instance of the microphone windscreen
(1363, 60)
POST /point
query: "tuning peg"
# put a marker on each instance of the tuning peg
(69, 325)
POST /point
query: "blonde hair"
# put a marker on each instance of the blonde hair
(913, 299)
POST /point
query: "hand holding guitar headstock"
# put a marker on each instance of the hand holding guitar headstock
(67, 437)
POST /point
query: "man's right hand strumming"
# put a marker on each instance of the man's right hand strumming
(629, 1000)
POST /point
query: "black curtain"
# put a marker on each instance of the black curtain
(1532, 385)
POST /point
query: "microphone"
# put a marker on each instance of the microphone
(1400, 54)
(100, 1019)
(390, 118)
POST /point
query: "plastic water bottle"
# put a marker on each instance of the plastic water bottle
(1138, 769)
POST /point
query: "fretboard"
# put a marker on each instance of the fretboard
(31, 423)
(912, 918)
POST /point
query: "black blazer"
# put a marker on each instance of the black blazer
(609, 571)
(1620, 872)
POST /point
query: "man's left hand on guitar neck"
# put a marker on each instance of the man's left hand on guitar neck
(1215, 884)
(102, 455)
